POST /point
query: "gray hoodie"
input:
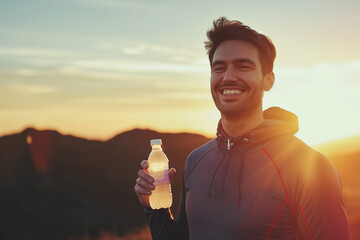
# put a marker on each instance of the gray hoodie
(266, 184)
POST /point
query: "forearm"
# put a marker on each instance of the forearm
(163, 226)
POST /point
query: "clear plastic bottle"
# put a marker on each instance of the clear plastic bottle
(161, 196)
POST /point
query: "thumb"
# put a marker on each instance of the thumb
(172, 172)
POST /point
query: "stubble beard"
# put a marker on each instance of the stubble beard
(246, 108)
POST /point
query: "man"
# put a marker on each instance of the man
(255, 180)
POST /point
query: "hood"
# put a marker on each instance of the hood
(277, 122)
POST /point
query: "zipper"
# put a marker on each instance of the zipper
(229, 144)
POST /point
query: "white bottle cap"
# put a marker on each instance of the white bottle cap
(155, 142)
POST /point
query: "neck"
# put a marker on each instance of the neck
(236, 126)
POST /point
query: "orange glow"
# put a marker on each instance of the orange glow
(41, 148)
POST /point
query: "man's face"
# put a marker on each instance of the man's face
(236, 78)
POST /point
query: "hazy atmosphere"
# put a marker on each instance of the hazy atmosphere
(73, 72)
(94, 68)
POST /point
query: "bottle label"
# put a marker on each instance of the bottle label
(164, 178)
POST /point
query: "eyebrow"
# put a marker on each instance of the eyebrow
(238, 60)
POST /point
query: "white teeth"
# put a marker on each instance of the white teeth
(231, 91)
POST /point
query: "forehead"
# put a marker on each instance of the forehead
(231, 50)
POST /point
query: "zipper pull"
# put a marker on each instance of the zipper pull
(228, 144)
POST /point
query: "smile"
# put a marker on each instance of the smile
(232, 92)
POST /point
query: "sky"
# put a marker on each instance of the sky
(95, 68)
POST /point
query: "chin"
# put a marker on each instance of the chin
(236, 111)
(227, 111)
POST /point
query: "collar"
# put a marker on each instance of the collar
(277, 122)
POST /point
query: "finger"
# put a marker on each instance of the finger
(172, 172)
(142, 183)
(141, 191)
(144, 175)
(144, 164)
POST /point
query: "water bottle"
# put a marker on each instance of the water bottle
(161, 196)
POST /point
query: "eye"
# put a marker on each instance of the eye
(218, 69)
(244, 67)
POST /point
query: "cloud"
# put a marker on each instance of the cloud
(133, 50)
(163, 49)
(145, 48)
(111, 70)
(45, 62)
(91, 73)
(329, 73)
(122, 4)
(28, 72)
(145, 102)
(352, 70)
(110, 101)
(137, 66)
(40, 52)
(31, 89)
(106, 3)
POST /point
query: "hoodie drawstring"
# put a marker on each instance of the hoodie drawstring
(229, 145)
(240, 173)
(217, 168)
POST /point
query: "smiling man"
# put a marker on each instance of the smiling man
(255, 180)
(240, 102)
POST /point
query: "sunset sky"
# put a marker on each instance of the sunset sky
(94, 68)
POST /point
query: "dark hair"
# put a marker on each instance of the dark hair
(224, 29)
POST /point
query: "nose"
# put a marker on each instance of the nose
(229, 75)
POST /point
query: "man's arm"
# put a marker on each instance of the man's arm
(320, 211)
(163, 225)
(161, 222)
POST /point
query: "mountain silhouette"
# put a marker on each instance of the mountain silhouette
(60, 186)
(55, 186)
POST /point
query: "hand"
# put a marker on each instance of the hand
(144, 183)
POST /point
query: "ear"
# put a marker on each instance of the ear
(269, 81)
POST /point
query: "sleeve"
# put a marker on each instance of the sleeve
(319, 208)
(162, 224)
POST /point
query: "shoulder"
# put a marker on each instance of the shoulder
(293, 149)
(309, 158)
(300, 160)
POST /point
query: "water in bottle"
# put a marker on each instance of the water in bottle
(161, 196)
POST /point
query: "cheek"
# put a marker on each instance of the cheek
(214, 81)
(253, 80)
